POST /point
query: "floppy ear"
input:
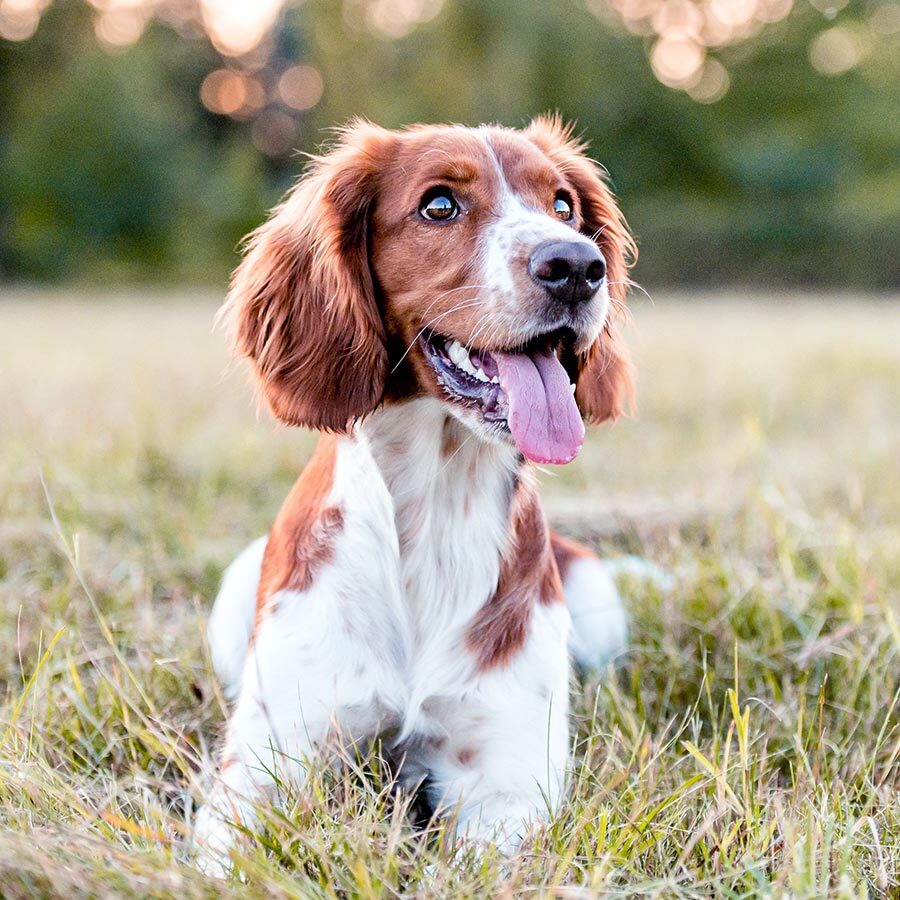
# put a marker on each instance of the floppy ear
(604, 388)
(302, 302)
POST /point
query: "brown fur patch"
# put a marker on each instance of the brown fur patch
(528, 574)
(302, 538)
(466, 756)
(450, 438)
(302, 303)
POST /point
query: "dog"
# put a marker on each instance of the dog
(443, 304)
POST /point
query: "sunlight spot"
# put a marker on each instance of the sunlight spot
(231, 93)
(392, 18)
(836, 51)
(119, 26)
(19, 19)
(237, 26)
(678, 19)
(676, 61)
(300, 87)
(734, 13)
(713, 83)
(774, 10)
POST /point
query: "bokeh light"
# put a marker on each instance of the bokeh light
(685, 32)
(232, 93)
(390, 19)
(19, 19)
(300, 87)
(836, 51)
(712, 84)
(238, 26)
(683, 38)
(274, 132)
(676, 61)
(120, 26)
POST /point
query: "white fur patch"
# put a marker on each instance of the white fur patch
(517, 231)
(231, 619)
(599, 620)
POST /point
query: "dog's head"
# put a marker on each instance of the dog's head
(485, 267)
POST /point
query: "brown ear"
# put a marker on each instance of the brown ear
(302, 302)
(605, 388)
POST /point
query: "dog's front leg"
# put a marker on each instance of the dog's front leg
(503, 767)
(306, 686)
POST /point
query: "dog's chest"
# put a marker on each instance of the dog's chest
(451, 520)
(449, 564)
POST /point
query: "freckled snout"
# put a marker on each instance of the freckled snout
(570, 271)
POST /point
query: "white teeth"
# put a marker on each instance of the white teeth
(495, 379)
(456, 351)
(573, 388)
(460, 357)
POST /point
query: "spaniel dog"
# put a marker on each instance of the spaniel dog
(442, 303)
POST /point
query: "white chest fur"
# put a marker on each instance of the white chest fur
(450, 496)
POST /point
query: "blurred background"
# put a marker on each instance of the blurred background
(751, 142)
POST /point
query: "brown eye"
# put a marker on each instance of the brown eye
(562, 206)
(439, 205)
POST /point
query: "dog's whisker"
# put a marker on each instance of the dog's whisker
(464, 304)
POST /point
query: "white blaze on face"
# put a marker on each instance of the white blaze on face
(506, 246)
(516, 233)
(543, 415)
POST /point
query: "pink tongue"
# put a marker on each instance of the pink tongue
(543, 416)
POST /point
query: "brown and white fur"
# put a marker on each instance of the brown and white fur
(409, 587)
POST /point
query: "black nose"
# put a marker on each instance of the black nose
(570, 271)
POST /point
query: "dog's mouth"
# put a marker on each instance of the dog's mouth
(526, 391)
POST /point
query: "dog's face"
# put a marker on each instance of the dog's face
(482, 266)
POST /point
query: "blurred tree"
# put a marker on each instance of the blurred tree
(111, 167)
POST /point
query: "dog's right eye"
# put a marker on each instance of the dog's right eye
(439, 205)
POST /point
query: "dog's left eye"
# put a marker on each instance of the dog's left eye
(439, 205)
(562, 206)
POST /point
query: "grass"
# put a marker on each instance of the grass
(747, 745)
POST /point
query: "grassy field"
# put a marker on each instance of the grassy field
(748, 743)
